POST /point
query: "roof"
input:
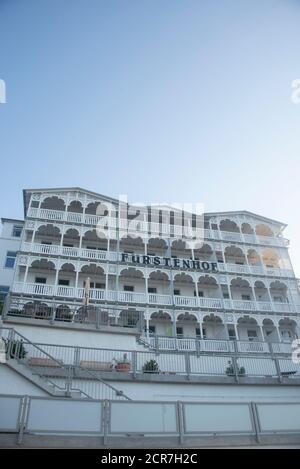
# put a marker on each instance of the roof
(14, 220)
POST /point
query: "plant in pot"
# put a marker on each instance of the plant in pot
(123, 364)
(151, 366)
(231, 372)
(15, 348)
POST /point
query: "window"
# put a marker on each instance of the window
(278, 299)
(17, 231)
(252, 335)
(151, 289)
(152, 330)
(40, 280)
(128, 288)
(98, 285)
(10, 259)
(3, 292)
(204, 332)
(226, 296)
(179, 332)
(177, 292)
(63, 282)
(231, 333)
(246, 297)
(198, 335)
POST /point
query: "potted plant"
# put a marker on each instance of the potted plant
(123, 364)
(231, 372)
(150, 366)
(15, 348)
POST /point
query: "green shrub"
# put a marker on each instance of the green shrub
(151, 367)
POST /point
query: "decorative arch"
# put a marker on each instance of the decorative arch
(246, 228)
(264, 230)
(75, 206)
(53, 203)
(229, 225)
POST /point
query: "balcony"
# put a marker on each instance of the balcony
(112, 256)
(92, 220)
(215, 345)
(60, 292)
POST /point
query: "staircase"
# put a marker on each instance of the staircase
(45, 371)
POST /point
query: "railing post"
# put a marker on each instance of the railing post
(235, 362)
(134, 363)
(180, 422)
(198, 347)
(52, 321)
(77, 356)
(255, 420)
(69, 381)
(11, 338)
(276, 362)
(187, 365)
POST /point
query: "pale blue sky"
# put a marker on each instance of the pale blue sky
(163, 100)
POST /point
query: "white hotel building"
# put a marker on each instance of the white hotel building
(218, 319)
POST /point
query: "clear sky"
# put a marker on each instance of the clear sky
(163, 100)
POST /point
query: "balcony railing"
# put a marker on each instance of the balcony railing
(155, 299)
(71, 217)
(98, 255)
(216, 345)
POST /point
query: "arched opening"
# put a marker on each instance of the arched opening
(160, 324)
(94, 240)
(47, 235)
(213, 327)
(248, 329)
(287, 330)
(270, 258)
(132, 245)
(253, 257)
(75, 207)
(261, 292)
(183, 285)
(234, 255)
(71, 239)
(158, 284)
(66, 279)
(208, 287)
(42, 273)
(246, 228)
(264, 230)
(270, 331)
(92, 277)
(180, 249)
(279, 292)
(131, 281)
(241, 289)
(203, 253)
(53, 203)
(187, 326)
(229, 225)
(157, 247)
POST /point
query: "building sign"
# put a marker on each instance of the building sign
(170, 262)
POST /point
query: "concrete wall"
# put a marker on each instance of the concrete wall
(13, 383)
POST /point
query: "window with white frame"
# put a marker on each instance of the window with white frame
(17, 231)
(10, 259)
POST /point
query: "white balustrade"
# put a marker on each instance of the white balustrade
(215, 303)
(214, 345)
(155, 228)
(185, 301)
(255, 346)
(160, 299)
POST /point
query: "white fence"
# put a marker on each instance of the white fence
(39, 415)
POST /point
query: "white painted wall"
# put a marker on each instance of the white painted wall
(13, 383)
(81, 338)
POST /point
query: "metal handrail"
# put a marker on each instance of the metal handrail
(62, 365)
